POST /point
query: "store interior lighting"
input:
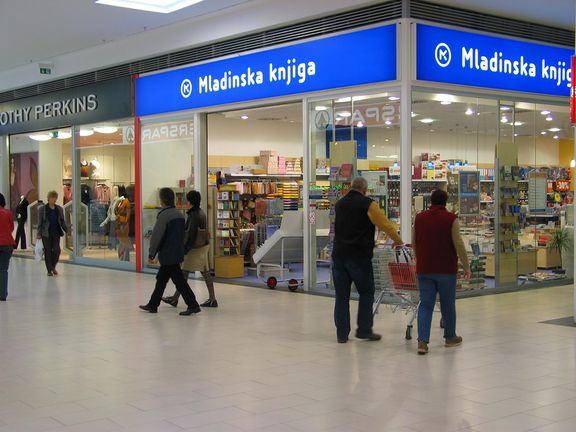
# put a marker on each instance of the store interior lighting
(545, 112)
(159, 6)
(40, 137)
(393, 98)
(469, 111)
(321, 108)
(244, 117)
(427, 120)
(549, 118)
(86, 132)
(572, 163)
(106, 129)
(344, 114)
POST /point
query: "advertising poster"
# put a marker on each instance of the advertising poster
(469, 193)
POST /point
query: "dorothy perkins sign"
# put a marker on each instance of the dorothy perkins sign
(458, 57)
(102, 101)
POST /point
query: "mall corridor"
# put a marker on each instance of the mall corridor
(78, 355)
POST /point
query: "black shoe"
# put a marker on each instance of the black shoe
(372, 337)
(210, 303)
(342, 340)
(191, 311)
(50, 274)
(170, 300)
(3, 299)
(148, 308)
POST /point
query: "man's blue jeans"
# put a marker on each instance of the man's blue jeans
(344, 272)
(445, 285)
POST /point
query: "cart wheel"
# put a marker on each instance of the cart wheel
(293, 285)
(409, 332)
(272, 282)
(442, 323)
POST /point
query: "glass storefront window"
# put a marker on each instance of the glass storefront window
(350, 136)
(105, 218)
(38, 165)
(167, 161)
(506, 166)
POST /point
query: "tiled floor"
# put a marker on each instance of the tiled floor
(77, 355)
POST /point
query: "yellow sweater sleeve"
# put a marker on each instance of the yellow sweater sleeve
(378, 218)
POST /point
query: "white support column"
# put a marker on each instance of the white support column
(405, 48)
(309, 163)
(200, 154)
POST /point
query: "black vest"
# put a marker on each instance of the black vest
(354, 232)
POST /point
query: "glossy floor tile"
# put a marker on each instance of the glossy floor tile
(77, 355)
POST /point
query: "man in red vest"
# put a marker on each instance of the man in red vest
(357, 217)
(438, 245)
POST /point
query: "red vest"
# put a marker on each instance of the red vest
(435, 252)
(6, 228)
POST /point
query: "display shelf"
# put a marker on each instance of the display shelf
(429, 181)
(228, 221)
(250, 175)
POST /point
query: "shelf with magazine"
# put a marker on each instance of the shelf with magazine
(229, 262)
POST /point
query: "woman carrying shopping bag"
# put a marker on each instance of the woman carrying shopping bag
(51, 226)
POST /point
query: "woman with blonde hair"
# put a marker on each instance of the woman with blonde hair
(51, 226)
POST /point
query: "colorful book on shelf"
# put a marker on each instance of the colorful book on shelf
(345, 173)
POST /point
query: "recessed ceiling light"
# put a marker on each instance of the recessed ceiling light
(505, 108)
(543, 133)
(338, 118)
(445, 103)
(515, 134)
(344, 114)
(426, 120)
(518, 123)
(504, 119)
(556, 137)
(387, 140)
(40, 137)
(160, 6)
(393, 98)
(388, 122)
(244, 117)
(86, 132)
(344, 100)
(373, 145)
(413, 114)
(545, 112)
(393, 156)
(360, 124)
(554, 129)
(321, 108)
(106, 129)
(469, 111)
(549, 118)
(63, 135)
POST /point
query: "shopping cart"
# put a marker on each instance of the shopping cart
(395, 282)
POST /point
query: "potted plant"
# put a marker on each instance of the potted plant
(562, 242)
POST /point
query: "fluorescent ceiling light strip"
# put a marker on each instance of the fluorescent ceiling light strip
(160, 6)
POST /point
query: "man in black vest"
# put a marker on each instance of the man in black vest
(357, 217)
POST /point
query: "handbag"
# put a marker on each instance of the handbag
(202, 238)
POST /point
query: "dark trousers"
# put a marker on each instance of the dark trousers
(174, 272)
(344, 272)
(51, 251)
(21, 235)
(5, 255)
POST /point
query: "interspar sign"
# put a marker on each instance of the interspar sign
(458, 57)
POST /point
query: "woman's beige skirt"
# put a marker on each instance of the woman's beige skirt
(196, 260)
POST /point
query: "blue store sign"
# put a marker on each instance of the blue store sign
(352, 59)
(458, 57)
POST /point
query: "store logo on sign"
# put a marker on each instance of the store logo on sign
(186, 88)
(443, 54)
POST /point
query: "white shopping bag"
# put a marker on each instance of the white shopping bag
(38, 250)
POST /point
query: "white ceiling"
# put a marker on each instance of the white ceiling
(79, 35)
(35, 30)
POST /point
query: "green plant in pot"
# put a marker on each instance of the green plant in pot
(562, 242)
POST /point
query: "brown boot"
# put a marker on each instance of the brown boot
(453, 341)
(422, 347)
